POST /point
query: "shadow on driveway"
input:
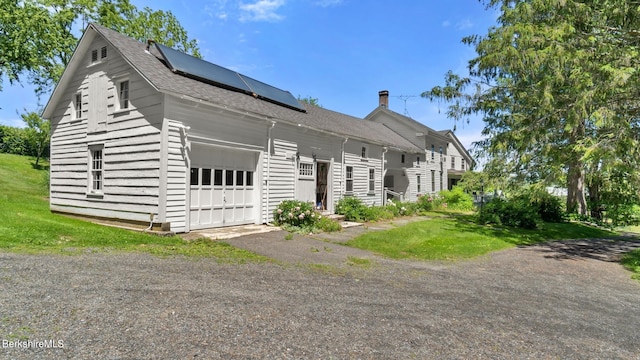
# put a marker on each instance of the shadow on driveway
(610, 250)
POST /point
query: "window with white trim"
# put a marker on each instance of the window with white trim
(441, 183)
(103, 52)
(94, 56)
(441, 159)
(77, 104)
(123, 94)
(453, 162)
(363, 152)
(462, 163)
(433, 152)
(349, 179)
(306, 169)
(433, 181)
(96, 163)
(419, 183)
(372, 180)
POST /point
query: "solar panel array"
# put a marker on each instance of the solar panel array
(205, 71)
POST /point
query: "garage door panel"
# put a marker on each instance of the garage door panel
(205, 197)
(222, 192)
(218, 197)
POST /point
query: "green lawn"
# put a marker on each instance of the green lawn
(28, 226)
(457, 237)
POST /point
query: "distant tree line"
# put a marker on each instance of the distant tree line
(32, 140)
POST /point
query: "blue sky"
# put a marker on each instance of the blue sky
(341, 52)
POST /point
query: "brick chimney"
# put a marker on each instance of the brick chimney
(384, 98)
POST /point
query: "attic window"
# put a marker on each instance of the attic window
(103, 52)
(94, 56)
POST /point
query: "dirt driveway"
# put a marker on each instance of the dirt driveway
(568, 301)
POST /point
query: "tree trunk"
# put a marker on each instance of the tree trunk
(576, 200)
(594, 200)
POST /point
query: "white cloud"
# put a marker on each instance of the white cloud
(262, 10)
(327, 3)
(467, 139)
(217, 9)
(464, 24)
(446, 23)
(14, 122)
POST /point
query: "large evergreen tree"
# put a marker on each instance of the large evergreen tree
(556, 82)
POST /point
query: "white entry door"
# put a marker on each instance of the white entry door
(223, 195)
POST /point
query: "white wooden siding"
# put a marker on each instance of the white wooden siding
(176, 178)
(131, 142)
(280, 181)
(361, 166)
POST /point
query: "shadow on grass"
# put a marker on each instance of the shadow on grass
(560, 241)
(39, 166)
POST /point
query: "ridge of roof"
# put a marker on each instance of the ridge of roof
(152, 67)
(415, 125)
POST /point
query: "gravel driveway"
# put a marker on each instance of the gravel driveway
(568, 301)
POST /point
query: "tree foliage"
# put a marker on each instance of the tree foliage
(310, 100)
(556, 82)
(38, 37)
(38, 131)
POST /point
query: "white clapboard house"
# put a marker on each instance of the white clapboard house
(141, 132)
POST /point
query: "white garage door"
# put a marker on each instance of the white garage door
(222, 187)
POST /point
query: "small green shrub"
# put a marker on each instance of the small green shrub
(426, 202)
(328, 225)
(401, 209)
(549, 207)
(297, 214)
(456, 199)
(352, 208)
(515, 213)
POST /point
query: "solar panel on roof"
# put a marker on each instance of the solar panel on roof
(205, 71)
(273, 94)
(202, 70)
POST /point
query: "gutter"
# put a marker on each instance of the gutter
(268, 175)
(343, 168)
(384, 200)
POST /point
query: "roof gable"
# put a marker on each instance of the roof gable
(409, 122)
(151, 66)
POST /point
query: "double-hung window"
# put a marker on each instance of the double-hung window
(433, 181)
(77, 104)
(349, 179)
(419, 184)
(453, 162)
(123, 94)
(96, 171)
(372, 180)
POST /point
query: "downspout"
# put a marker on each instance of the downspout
(343, 168)
(186, 147)
(384, 198)
(268, 176)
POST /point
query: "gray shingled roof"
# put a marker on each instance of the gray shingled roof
(151, 66)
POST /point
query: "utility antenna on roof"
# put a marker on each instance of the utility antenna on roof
(405, 98)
